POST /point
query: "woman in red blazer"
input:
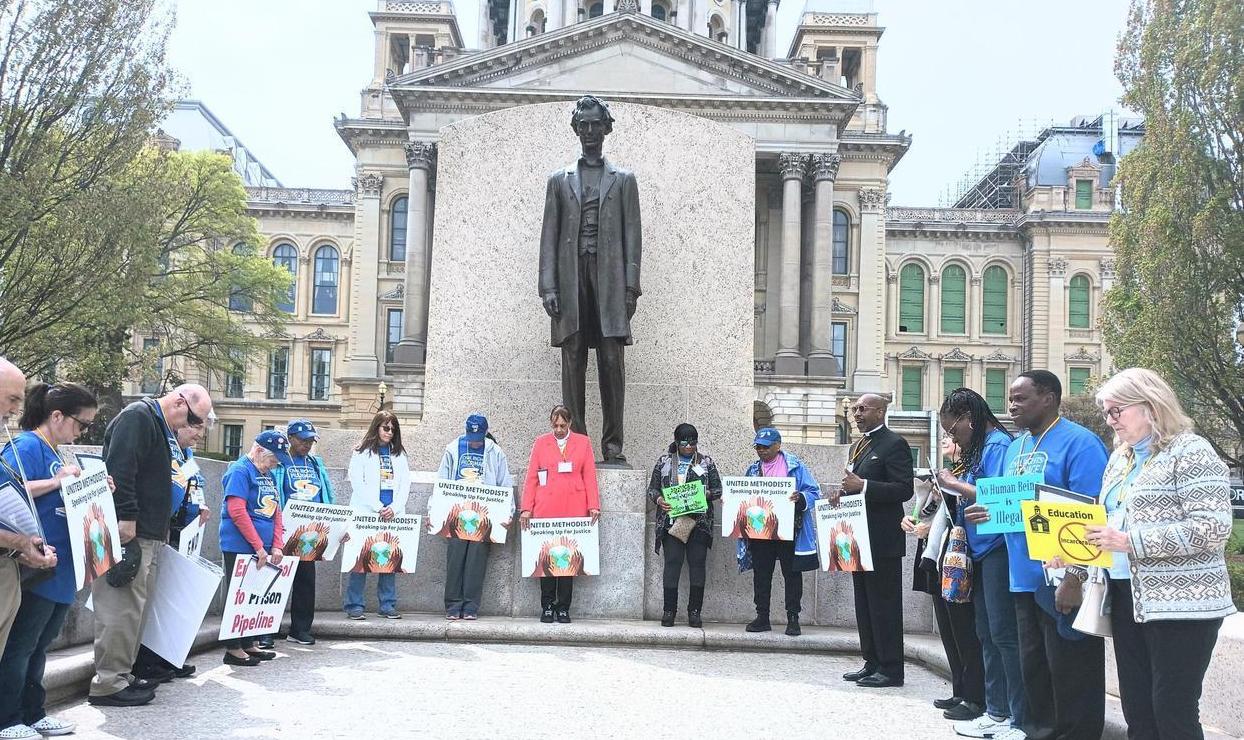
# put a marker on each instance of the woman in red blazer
(561, 482)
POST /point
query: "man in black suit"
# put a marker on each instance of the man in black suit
(880, 466)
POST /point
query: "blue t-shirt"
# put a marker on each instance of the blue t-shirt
(243, 480)
(470, 462)
(40, 462)
(1070, 457)
(302, 481)
(684, 464)
(992, 465)
(386, 477)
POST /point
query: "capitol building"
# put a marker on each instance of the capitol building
(852, 293)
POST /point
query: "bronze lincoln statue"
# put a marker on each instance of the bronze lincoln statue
(590, 246)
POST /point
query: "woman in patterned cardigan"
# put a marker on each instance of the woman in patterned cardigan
(1169, 514)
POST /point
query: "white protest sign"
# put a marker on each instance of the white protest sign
(470, 511)
(314, 531)
(183, 591)
(256, 597)
(561, 547)
(91, 517)
(377, 546)
(190, 539)
(758, 508)
(842, 540)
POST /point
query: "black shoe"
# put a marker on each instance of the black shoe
(143, 684)
(878, 681)
(250, 660)
(667, 618)
(563, 616)
(186, 671)
(864, 672)
(953, 701)
(759, 624)
(792, 625)
(261, 655)
(126, 697)
(693, 618)
(266, 643)
(302, 638)
(965, 711)
(546, 616)
(155, 674)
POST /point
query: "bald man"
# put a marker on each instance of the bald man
(138, 445)
(880, 466)
(14, 547)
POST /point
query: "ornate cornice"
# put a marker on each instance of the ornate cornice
(793, 166)
(871, 199)
(1083, 355)
(952, 216)
(825, 166)
(420, 155)
(915, 353)
(841, 308)
(1001, 356)
(957, 355)
(398, 293)
(319, 335)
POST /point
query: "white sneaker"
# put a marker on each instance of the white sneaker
(983, 726)
(52, 726)
(1012, 734)
(19, 732)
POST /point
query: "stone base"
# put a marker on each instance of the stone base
(789, 365)
(410, 353)
(824, 367)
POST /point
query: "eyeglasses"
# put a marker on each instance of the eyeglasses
(386, 427)
(1115, 412)
(192, 418)
(860, 409)
(83, 425)
(953, 424)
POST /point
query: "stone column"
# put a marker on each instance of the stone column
(771, 50)
(975, 309)
(935, 305)
(413, 348)
(869, 330)
(788, 360)
(892, 307)
(821, 360)
(485, 25)
(513, 22)
(365, 267)
(1106, 265)
(1058, 317)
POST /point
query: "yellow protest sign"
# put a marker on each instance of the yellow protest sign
(1061, 530)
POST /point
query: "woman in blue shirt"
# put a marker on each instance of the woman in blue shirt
(54, 415)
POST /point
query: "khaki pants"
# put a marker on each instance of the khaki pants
(10, 597)
(118, 623)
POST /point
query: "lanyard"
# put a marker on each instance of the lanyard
(1041, 438)
(1124, 486)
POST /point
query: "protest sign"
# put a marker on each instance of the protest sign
(686, 498)
(314, 531)
(183, 591)
(256, 597)
(561, 547)
(377, 546)
(842, 540)
(1237, 501)
(758, 508)
(470, 511)
(1058, 529)
(1002, 496)
(94, 536)
(190, 539)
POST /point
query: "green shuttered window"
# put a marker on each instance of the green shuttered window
(993, 310)
(995, 389)
(1077, 380)
(1078, 302)
(912, 397)
(1084, 195)
(911, 299)
(954, 300)
(952, 378)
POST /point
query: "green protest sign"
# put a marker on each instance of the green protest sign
(688, 498)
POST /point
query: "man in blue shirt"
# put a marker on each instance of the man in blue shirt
(304, 480)
(1064, 677)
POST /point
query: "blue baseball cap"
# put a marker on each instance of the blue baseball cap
(302, 429)
(476, 427)
(766, 437)
(276, 443)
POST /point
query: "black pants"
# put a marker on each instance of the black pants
(956, 623)
(765, 554)
(879, 615)
(302, 599)
(465, 566)
(695, 552)
(555, 591)
(241, 643)
(610, 366)
(1064, 680)
(1162, 665)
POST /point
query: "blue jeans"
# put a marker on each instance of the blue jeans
(386, 591)
(999, 636)
(37, 624)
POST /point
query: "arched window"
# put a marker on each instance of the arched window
(911, 298)
(537, 22)
(954, 300)
(327, 274)
(1078, 302)
(238, 299)
(285, 255)
(659, 12)
(397, 231)
(717, 29)
(993, 309)
(842, 253)
(597, 10)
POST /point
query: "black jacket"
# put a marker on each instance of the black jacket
(886, 464)
(137, 454)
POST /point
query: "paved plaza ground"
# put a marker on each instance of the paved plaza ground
(391, 689)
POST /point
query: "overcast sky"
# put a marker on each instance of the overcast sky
(961, 76)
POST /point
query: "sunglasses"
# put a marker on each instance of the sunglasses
(386, 427)
(688, 442)
(192, 418)
(83, 425)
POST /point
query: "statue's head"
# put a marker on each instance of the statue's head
(591, 121)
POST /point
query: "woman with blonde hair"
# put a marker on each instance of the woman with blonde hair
(1169, 518)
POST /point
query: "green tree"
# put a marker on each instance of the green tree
(1179, 241)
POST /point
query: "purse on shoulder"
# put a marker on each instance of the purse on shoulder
(1093, 618)
(957, 568)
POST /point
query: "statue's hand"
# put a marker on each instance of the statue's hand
(552, 306)
(632, 302)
